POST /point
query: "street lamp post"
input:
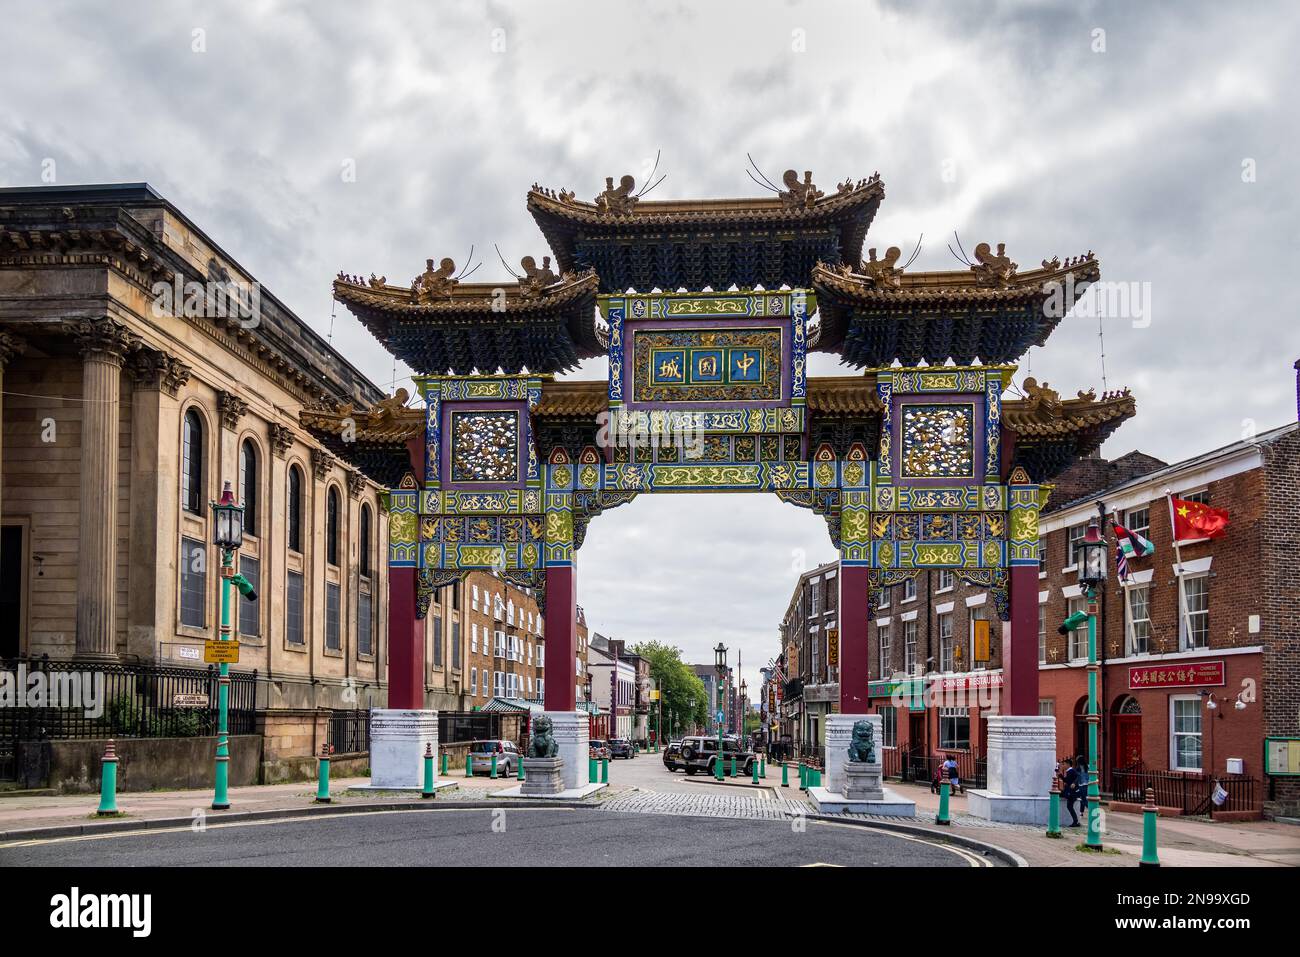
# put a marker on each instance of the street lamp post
(720, 663)
(228, 535)
(1091, 559)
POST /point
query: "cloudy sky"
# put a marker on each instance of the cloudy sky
(1161, 136)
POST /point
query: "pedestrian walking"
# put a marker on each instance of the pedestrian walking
(950, 770)
(1075, 773)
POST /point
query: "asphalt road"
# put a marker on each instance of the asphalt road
(496, 837)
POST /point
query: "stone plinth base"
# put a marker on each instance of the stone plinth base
(862, 781)
(1008, 809)
(891, 804)
(373, 788)
(839, 732)
(568, 794)
(542, 776)
(398, 739)
(1021, 762)
(570, 730)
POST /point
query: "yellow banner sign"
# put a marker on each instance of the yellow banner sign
(982, 640)
(218, 652)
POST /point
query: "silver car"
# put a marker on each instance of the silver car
(506, 753)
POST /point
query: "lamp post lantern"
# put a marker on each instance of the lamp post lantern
(1090, 555)
(228, 535)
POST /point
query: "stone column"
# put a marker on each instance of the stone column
(151, 566)
(405, 642)
(855, 610)
(104, 344)
(10, 346)
(1020, 654)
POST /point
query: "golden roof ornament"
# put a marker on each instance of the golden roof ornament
(535, 279)
(798, 194)
(884, 272)
(388, 408)
(617, 200)
(1042, 400)
(993, 270)
(433, 283)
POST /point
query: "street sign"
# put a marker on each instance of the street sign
(183, 700)
(719, 716)
(982, 640)
(218, 652)
(832, 646)
(188, 652)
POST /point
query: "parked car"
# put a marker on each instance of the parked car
(673, 756)
(621, 748)
(700, 752)
(507, 756)
(597, 749)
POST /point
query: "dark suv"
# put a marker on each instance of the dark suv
(699, 753)
(621, 748)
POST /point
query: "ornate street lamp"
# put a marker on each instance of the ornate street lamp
(1090, 556)
(228, 535)
(720, 663)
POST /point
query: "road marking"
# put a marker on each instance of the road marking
(974, 860)
(275, 820)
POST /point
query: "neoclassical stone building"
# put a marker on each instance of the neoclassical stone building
(124, 411)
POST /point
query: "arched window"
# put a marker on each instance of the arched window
(295, 508)
(248, 484)
(192, 463)
(332, 526)
(365, 541)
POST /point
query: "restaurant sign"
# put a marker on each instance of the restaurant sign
(1191, 674)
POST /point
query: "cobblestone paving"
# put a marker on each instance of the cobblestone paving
(744, 806)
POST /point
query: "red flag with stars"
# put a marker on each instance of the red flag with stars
(1197, 520)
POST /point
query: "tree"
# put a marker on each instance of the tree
(677, 685)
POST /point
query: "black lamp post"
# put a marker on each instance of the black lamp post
(1090, 556)
(720, 663)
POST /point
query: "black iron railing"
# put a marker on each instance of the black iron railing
(350, 732)
(1191, 792)
(972, 768)
(456, 726)
(81, 699)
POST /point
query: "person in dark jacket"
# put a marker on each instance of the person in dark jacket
(1076, 788)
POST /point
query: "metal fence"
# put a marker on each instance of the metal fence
(78, 699)
(456, 726)
(1191, 792)
(350, 732)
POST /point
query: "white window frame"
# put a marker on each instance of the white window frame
(1042, 632)
(1174, 734)
(947, 658)
(1130, 636)
(909, 645)
(951, 577)
(1144, 529)
(1071, 555)
(1080, 634)
(884, 646)
(909, 589)
(1185, 614)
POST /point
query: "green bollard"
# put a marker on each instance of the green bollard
(428, 791)
(754, 767)
(762, 766)
(519, 770)
(323, 776)
(719, 768)
(591, 769)
(108, 783)
(785, 775)
(1054, 808)
(942, 816)
(469, 765)
(444, 764)
(1149, 815)
(604, 770)
(817, 777)
(493, 775)
(733, 766)
(803, 777)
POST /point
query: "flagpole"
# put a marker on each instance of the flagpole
(1178, 566)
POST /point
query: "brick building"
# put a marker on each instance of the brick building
(483, 639)
(812, 677)
(1186, 684)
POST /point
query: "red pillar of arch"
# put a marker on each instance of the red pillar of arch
(1020, 657)
(855, 612)
(561, 638)
(405, 642)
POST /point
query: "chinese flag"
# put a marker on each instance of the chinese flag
(1197, 520)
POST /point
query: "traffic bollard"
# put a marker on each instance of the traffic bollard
(785, 775)
(428, 791)
(754, 767)
(591, 769)
(1054, 808)
(803, 777)
(323, 776)
(604, 770)
(519, 770)
(762, 767)
(942, 816)
(733, 767)
(1149, 815)
(444, 764)
(108, 782)
(494, 767)
(469, 765)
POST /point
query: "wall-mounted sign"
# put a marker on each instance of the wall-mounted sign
(1282, 756)
(182, 700)
(1188, 674)
(981, 639)
(189, 652)
(992, 679)
(832, 646)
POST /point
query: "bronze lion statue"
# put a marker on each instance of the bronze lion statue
(542, 743)
(862, 746)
